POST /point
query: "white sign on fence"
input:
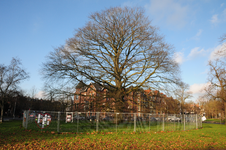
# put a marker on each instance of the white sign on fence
(43, 120)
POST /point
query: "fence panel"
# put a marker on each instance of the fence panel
(40, 120)
(108, 122)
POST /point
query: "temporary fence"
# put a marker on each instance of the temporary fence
(81, 122)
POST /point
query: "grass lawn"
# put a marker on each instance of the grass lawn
(211, 136)
(109, 126)
(215, 120)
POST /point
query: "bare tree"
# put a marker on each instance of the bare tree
(33, 92)
(10, 77)
(217, 78)
(182, 94)
(117, 49)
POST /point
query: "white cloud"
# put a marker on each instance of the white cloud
(196, 52)
(198, 34)
(198, 88)
(179, 57)
(169, 11)
(218, 52)
(214, 19)
(40, 94)
(222, 4)
(219, 18)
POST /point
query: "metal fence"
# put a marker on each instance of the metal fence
(80, 122)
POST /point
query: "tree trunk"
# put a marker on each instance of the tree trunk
(225, 113)
(118, 102)
(2, 107)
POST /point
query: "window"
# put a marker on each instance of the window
(76, 96)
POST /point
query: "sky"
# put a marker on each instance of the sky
(30, 30)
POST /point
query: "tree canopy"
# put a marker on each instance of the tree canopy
(118, 49)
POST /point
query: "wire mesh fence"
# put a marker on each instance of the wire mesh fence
(81, 122)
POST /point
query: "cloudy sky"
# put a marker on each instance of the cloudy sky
(30, 30)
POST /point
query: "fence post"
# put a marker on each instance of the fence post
(27, 118)
(116, 122)
(201, 120)
(163, 122)
(58, 122)
(77, 118)
(179, 123)
(174, 122)
(135, 118)
(97, 116)
(24, 118)
(149, 122)
(184, 122)
(196, 120)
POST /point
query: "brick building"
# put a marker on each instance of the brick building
(95, 98)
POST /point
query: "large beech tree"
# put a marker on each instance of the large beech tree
(119, 49)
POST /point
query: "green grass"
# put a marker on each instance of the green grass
(105, 126)
(215, 120)
(14, 136)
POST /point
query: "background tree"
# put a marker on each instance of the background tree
(61, 94)
(33, 92)
(216, 91)
(182, 94)
(172, 105)
(217, 78)
(10, 77)
(118, 48)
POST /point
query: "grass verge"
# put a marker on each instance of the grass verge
(211, 136)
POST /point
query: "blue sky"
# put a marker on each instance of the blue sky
(30, 30)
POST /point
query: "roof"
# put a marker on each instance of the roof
(97, 86)
(80, 85)
(84, 87)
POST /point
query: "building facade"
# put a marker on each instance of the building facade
(95, 98)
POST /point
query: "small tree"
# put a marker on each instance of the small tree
(182, 94)
(10, 77)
